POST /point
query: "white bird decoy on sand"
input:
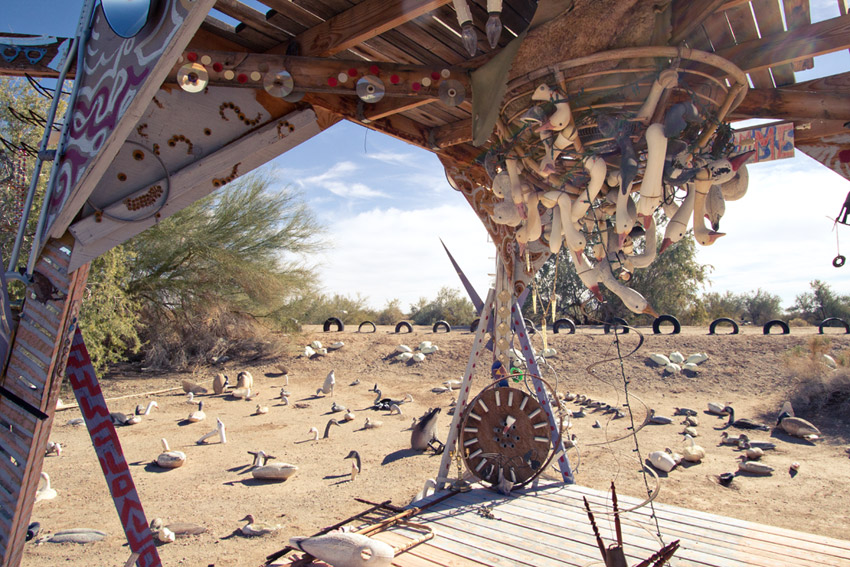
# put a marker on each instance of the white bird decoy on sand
(219, 430)
(356, 465)
(328, 386)
(253, 528)
(346, 549)
(142, 410)
(169, 459)
(197, 415)
(315, 433)
(45, 492)
(692, 452)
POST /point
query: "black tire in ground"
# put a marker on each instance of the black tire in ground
(360, 326)
(656, 325)
(403, 325)
(616, 321)
(333, 321)
(841, 323)
(713, 327)
(776, 323)
(564, 323)
(439, 324)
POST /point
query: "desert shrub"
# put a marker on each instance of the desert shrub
(449, 305)
(390, 314)
(824, 393)
(180, 342)
(798, 322)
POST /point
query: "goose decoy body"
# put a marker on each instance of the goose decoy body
(197, 415)
(220, 383)
(141, 409)
(384, 404)
(356, 466)
(745, 442)
(169, 459)
(253, 528)
(328, 385)
(743, 423)
(342, 549)
(425, 430)
(726, 439)
(798, 427)
(336, 408)
(754, 467)
(264, 470)
(372, 424)
(328, 427)
(53, 448)
(692, 452)
(659, 419)
(46, 492)
(684, 411)
(717, 408)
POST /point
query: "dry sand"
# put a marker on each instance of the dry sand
(215, 488)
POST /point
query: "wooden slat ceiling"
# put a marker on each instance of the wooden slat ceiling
(768, 39)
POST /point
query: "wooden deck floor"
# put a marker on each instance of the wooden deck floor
(549, 527)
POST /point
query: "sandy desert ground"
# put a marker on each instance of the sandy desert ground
(215, 488)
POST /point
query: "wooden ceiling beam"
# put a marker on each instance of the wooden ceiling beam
(688, 15)
(811, 132)
(452, 134)
(359, 23)
(786, 47)
(251, 18)
(787, 104)
(397, 126)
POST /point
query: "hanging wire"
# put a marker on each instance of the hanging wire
(632, 420)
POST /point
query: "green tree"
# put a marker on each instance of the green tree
(205, 274)
(108, 316)
(557, 279)
(449, 305)
(348, 309)
(725, 304)
(820, 303)
(672, 282)
(390, 314)
(761, 306)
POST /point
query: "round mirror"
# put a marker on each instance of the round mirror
(127, 17)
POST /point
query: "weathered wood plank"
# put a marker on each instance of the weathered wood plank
(797, 15)
(789, 104)
(361, 22)
(47, 65)
(688, 15)
(718, 30)
(833, 83)
(675, 512)
(707, 540)
(251, 18)
(807, 41)
(769, 21)
(744, 29)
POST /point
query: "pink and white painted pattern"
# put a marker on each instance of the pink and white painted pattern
(112, 73)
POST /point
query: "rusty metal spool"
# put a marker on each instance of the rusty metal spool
(505, 430)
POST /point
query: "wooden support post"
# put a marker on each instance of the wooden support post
(478, 347)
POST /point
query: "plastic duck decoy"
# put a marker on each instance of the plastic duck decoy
(342, 549)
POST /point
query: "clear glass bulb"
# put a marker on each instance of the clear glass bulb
(494, 29)
(470, 38)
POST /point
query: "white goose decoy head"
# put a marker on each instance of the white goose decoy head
(723, 170)
(46, 492)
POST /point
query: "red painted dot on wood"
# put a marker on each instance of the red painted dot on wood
(192, 56)
(394, 79)
(522, 336)
(844, 156)
(332, 82)
(242, 78)
(551, 428)
(435, 75)
(374, 69)
(218, 67)
(562, 460)
(352, 72)
(415, 86)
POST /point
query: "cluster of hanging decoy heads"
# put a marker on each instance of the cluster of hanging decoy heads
(595, 197)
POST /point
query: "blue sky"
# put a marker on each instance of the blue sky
(386, 204)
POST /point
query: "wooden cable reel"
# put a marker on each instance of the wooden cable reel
(505, 434)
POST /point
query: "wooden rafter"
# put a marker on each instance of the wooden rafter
(688, 15)
(358, 24)
(790, 104)
(786, 47)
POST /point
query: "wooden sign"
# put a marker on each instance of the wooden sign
(771, 141)
(108, 449)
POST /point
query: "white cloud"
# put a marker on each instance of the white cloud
(391, 253)
(395, 158)
(337, 180)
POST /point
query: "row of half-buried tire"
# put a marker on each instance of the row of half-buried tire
(616, 321)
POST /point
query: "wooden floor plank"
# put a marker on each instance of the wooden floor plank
(575, 539)
(675, 512)
(554, 518)
(705, 542)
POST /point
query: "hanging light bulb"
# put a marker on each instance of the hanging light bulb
(467, 30)
(494, 22)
